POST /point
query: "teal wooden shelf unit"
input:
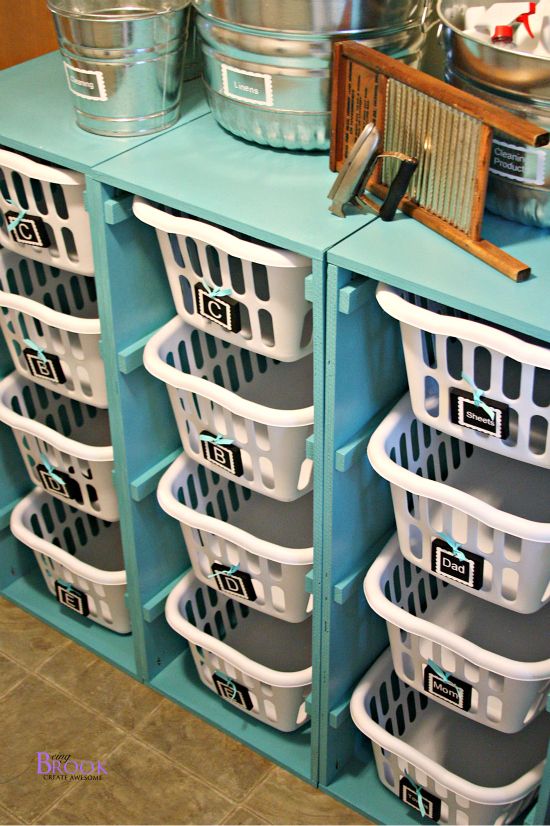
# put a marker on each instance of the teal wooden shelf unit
(277, 198)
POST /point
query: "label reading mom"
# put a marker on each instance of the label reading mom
(465, 412)
(452, 691)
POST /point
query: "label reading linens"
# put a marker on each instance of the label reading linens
(85, 83)
(466, 413)
(251, 87)
(409, 795)
(467, 571)
(519, 163)
(452, 691)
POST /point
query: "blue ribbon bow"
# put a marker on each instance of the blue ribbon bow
(229, 682)
(217, 440)
(216, 292)
(443, 675)
(66, 585)
(455, 547)
(33, 346)
(15, 221)
(229, 572)
(477, 393)
(51, 470)
(418, 789)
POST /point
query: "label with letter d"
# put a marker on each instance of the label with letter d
(467, 571)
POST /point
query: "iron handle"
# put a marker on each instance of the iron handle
(398, 188)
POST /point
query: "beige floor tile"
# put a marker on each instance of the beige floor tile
(243, 817)
(108, 690)
(284, 799)
(25, 638)
(10, 674)
(6, 818)
(204, 750)
(37, 718)
(141, 787)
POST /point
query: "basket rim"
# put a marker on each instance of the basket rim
(43, 172)
(279, 679)
(486, 795)
(420, 627)
(18, 526)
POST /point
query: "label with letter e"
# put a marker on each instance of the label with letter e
(468, 572)
(72, 598)
(465, 412)
(452, 691)
(235, 692)
(431, 803)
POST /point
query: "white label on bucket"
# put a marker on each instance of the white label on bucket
(520, 163)
(252, 87)
(86, 83)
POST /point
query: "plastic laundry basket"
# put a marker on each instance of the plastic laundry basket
(80, 558)
(262, 666)
(461, 772)
(453, 500)
(450, 356)
(50, 321)
(477, 659)
(253, 548)
(238, 290)
(243, 415)
(44, 205)
(66, 445)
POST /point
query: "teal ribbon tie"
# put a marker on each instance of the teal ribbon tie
(51, 470)
(477, 393)
(443, 675)
(33, 346)
(16, 221)
(230, 571)
(216, 292)
(66, 585)
(229, 682)
(418, 790)
(455, 547)
(216, 440)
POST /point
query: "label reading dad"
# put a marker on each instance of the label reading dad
(49, 369)
(468, 572)
(252, 87)
(238, 584)
(468, 414)
(520, 163)
(234, 692)
(30, 230)
(227, 457)
(221, 310)
(454, 692)
(86, 83)
(431, 803)
(70, 489)
(72, 598)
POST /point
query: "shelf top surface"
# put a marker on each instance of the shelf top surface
(406, 254)
(39, 119)
(277, 196)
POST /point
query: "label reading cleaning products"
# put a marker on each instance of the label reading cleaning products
(409, 795)
(252, 87)
(235, 692)
(520, 163)
(238, 584)
(221, 310)
(72, 598)
(465, 412)
(30, 230)
(46, 367)
(452, 691)
(85, 83)
(467, 571)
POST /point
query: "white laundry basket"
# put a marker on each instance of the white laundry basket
(251, 547)
(79, 555)
(66, 445)
(451, 355)
(259, 664)
(50, 322)
(452, 499)
(44, 205)
(480, 660)
(462, 772)
(242, 415)
(241, 291)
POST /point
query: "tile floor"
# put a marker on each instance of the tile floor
(165, 766)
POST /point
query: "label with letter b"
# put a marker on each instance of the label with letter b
(226, 457)
(46, 367)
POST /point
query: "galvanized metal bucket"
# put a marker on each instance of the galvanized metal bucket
(123, 61)
(267, 63)
(519, 180)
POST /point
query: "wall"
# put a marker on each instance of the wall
(26, 30)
